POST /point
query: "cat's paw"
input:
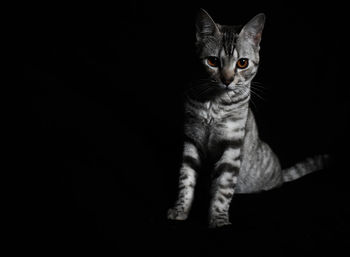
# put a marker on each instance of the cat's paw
(176, 214)
(218, 223)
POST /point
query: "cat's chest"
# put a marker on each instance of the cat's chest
(212, 122)
(218, 116)
(211, 113)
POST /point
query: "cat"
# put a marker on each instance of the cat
(219, 125)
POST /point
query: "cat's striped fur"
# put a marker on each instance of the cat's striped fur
(219, 125)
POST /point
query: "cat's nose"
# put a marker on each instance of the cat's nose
(227, 81)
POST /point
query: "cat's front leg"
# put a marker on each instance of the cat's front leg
(223, 186)
(187, 182)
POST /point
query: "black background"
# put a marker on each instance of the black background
(102, 145)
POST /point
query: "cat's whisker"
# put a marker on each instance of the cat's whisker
(259, 86)
(258, 83)
(258, 90)
(242, 89)
(247, 91)
(252, 101)
(203, 91)
(256, 94)
(259, 93)
(198, 86)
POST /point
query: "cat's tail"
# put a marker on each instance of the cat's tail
(305, 167)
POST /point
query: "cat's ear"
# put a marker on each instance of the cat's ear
(205, 25)
(252, 31)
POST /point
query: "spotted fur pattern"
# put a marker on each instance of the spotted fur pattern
(220, 127)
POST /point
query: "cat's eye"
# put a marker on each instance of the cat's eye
(242, 63)
(213, 61)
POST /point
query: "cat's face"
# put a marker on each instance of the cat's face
(230, 55)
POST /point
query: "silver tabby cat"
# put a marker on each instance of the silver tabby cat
(220, 126)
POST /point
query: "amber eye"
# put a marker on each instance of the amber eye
(242, 63)
(213, 61)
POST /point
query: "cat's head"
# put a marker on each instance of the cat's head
(229, 54)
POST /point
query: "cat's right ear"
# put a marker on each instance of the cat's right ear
(205, 25)
(252, 31)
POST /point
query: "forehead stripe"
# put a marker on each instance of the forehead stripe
(228, 41)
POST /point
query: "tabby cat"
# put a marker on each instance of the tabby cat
(219, 125)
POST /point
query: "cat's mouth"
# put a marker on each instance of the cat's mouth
(232, 87)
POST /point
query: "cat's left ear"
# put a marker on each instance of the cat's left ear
(252, 31)
(205, 26)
